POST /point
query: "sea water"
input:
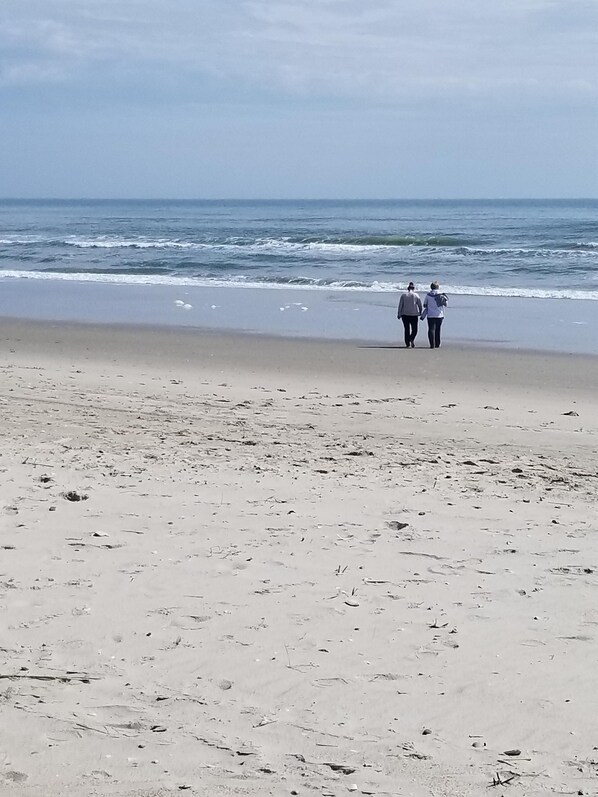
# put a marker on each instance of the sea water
(532, 250)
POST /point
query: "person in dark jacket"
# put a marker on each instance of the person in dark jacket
(410, 309)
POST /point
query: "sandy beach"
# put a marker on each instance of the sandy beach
(241, 565)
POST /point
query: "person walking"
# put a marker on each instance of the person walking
(434, 304)
(410, 309)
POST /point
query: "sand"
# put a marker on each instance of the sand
(246, 566)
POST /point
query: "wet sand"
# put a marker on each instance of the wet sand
(510, 323)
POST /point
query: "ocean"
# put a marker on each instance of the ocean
(534, 249)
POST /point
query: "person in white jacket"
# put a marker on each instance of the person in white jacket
(434, 304)
(410, 309)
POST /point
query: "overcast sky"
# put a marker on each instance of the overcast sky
(299, 98)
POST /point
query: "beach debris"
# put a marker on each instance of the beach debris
(351, 603)
(14, 776)
(429, 556)
(45, 479)
(489, 407)
(572, 413)
(346, 770)
(36, 464)
(503, 778)
(411, 752)
(512, 753)
(73, 495)
(426, 732)
(108, 545)
(264, 721)
(324, 682)
(572, 570)
(179, 303)
(396, 525)
(245, 751)
(358, 453)
(225, 685)
(65, 678)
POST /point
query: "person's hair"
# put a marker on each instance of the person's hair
(434, 286)
(411, 287)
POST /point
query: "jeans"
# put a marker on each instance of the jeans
(410, 324)
(434, 325)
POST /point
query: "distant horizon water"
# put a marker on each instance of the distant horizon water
(173, 199)
(530, 248)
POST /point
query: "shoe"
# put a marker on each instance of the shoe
(413, 345)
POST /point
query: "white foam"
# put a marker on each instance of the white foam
(242, 281)
(118, 243)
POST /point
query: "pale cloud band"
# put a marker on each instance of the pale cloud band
(376, 52)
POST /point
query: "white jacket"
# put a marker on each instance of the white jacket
(431, 305)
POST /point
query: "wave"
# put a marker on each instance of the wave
(295, 283)
(541, 253)
(381, 240)
(329, 245)
(105, 242)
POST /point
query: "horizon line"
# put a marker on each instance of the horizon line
(296, 199)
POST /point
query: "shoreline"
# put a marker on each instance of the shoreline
(513, 324)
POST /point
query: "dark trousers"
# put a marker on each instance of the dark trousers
(434, 325)
(410, 324)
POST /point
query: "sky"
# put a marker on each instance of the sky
(299, 98)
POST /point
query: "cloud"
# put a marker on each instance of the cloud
(379, 52)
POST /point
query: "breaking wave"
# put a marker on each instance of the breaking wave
(297, 282)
